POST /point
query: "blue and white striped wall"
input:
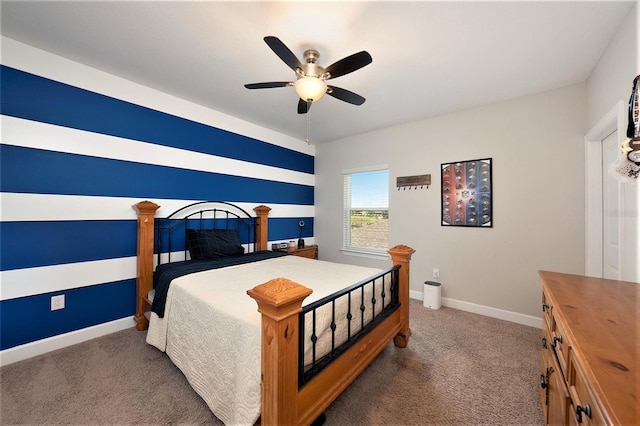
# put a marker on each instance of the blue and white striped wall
(79, 147)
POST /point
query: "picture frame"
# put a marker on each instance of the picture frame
(467, 193)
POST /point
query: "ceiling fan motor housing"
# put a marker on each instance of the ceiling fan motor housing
(311, 68)
(311, 56)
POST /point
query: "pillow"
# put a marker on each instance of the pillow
(213, 243)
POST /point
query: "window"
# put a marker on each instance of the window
(366, 210)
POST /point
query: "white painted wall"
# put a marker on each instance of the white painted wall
(612, 78)
(537, 147)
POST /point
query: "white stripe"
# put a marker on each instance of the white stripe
(25, 282)
(33, 134)
(46, 207)
(27, 58)
(45, 279)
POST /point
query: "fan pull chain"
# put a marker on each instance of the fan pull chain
(308, 127)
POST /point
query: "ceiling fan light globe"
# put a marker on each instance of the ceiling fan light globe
(310, 88)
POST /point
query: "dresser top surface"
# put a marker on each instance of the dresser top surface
(602, 318)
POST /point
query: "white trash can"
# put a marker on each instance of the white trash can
(432, 295)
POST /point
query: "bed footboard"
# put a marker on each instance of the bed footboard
(280, 301)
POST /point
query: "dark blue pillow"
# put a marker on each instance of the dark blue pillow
(213, 243)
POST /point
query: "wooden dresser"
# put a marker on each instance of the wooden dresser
(309, 251)
(590, 356)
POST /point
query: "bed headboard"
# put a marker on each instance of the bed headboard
(171, 231)
(167, 235)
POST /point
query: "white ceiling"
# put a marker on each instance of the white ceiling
(429, 58)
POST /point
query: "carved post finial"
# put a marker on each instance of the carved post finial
(279, 301)
(401, 255)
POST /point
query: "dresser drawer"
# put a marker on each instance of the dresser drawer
(310, 252)
(561, 345)
(547, 311)
(584, 409)
(545, 363)
(558, 398)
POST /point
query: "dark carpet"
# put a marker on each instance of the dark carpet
(458, 369)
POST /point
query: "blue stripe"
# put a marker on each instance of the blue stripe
(28, 319)
(29, 170)
(32, 244)
(286, 228)
(280, 229)
(32, 97)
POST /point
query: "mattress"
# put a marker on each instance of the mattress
(211, 327)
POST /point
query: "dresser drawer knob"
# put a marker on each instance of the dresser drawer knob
(543, 381)
(544, 342)
(556, 340)
(583, 409)
(545, 306)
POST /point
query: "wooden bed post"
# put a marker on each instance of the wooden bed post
(279, 301)
(401, 255)
(146, 212)
(261, 233)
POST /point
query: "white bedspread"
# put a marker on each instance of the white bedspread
(211, 327)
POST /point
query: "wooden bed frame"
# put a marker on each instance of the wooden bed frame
(279, 301)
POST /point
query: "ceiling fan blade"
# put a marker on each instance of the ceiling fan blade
(283, 52)
(345, 95)
(303, 106)
(268, 85)
(349, 64)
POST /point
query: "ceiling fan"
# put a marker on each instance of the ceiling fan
(310, 76)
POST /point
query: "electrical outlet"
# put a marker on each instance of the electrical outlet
(57, 302)
(436, 274)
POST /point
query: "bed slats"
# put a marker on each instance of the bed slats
(366, 314)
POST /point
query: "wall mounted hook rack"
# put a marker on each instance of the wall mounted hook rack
(421, 181)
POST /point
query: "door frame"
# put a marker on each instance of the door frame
(613, 121)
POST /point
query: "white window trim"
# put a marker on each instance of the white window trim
(370, 253)
(367, 252)
(365, 169)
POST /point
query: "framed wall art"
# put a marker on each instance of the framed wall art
(467, 198)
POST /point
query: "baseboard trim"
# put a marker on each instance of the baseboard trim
(39, 347)
(485, 310)
(29, 350)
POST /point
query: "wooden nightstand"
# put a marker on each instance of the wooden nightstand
(310, 252)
